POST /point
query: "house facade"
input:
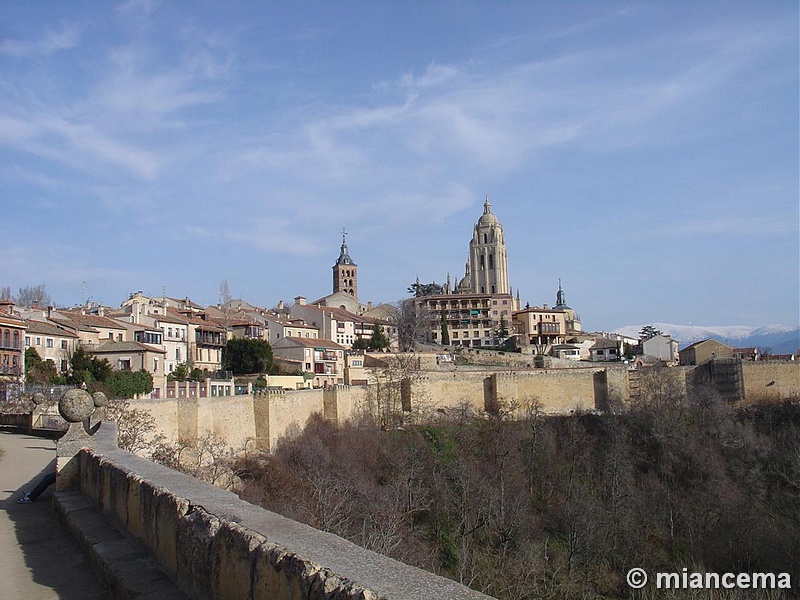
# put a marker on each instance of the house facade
(12, 333)
(541, 328)
(661, 347)
(471, 319)
(323, 358)
(136, 356)
(52, 343)
(606, 350)
(704, 351)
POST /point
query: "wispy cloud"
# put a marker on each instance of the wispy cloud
(738, 226)
(78, 145)
(65, 38)
(268, 235)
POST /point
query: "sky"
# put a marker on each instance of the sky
(645, 153)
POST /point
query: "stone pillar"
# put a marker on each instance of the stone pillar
(84, 413)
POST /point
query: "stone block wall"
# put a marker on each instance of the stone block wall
(771, 381)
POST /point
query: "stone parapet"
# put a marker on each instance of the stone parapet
(215, 545)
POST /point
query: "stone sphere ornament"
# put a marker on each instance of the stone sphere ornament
(76, 405)
(100, 399)
(38, 398)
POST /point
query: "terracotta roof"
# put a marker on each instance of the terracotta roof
(49, 329)
(308, 343)
(83, 321)
(600, 344)
(110, 347)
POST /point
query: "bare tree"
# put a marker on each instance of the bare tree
(224, 293)
(28, 296)
(409, 325)
(391, 391)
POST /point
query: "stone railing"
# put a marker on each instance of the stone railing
(211, 543)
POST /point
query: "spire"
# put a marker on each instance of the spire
(487, 206)
(561, 297)
(344, 256)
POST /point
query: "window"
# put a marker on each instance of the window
(63, 344)
(124, 364)
(64, 365)
(155, 365)
(38, 341)
(49, 342)
(177, 354)
(27, 340)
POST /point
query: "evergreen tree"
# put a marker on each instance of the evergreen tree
(244, 356)
(648, 331)
(379, 341)
(501, 331)
(445, 330)
(425, 289)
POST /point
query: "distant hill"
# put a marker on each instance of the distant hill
(781, 339)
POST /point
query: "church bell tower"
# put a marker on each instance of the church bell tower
(345, 271)
(487, 269)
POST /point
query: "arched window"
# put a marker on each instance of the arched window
(6, 339)
(16, 340)
(491, 261)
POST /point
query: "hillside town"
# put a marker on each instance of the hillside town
(323, 342)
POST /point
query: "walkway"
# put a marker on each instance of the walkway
(39, 560)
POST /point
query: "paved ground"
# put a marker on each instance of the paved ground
(39, 560)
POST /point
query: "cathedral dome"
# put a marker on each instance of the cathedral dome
(487, 218)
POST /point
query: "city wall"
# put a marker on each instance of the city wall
(771, 381)
(259, 420)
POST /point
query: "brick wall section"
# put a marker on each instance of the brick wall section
(215, 545)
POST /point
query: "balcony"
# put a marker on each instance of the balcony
(204, 338)
(548, 328)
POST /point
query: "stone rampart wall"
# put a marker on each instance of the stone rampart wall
(771, 381)
(265, 417)
(214, 545)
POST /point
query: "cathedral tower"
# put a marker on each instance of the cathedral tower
(345, 271)
(487, 267)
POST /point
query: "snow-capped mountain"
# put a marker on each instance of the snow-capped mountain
(781, 339)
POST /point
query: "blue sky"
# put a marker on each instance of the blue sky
(646, 153)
